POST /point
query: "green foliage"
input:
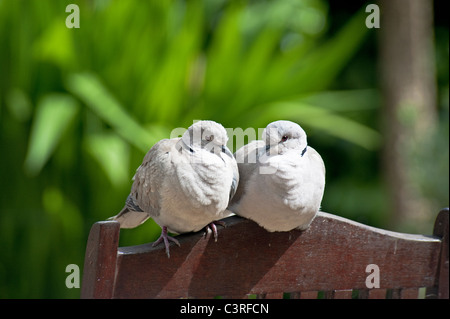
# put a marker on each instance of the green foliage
(80, 107)
(53, 116)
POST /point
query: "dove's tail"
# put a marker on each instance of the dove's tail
(130, 219)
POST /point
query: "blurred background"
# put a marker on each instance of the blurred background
(79, 108)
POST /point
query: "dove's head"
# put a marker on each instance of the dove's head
(207, 135)
(281, 136)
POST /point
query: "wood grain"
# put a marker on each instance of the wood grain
(331, 255)
(100, 262)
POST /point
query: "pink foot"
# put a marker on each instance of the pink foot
(212, 227)
(164, 237)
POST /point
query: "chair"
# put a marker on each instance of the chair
(328, 260)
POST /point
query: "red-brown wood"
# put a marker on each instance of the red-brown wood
(441, 231)
(274, 295)
(308, 295)
(100, 262)
(342, 294)
(331, 255)
(409, 293)
(377, 293)
(295, 295)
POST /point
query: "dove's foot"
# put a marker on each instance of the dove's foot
(212, 227)
(164, 237)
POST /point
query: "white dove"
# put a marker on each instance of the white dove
(282, 179)
(184, 184)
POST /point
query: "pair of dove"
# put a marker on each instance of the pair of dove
(187, 183)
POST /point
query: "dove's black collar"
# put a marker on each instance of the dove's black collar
(183, 145)
(227, 151)
(302, 153)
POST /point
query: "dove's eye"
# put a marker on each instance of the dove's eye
(209, 138)
(284, 138)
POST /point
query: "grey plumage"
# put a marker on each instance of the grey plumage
(185, 183)
(282, 179)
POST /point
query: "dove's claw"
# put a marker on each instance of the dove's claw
(212, 227)
(164, 237)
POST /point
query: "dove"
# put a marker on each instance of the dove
(184, 184)
(282, 179)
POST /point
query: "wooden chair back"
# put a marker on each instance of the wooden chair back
(334, 258)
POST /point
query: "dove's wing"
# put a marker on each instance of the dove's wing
(318, 181)
(144, 199)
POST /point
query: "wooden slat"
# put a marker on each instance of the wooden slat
(409, 293)
(308, 295)
(295, 295)
(332, 254)
(327, 295)
(440, 288)
(441, 230)
(274, 295)
(394, 293)
(100, 260)
(342, 294)
(377, 293)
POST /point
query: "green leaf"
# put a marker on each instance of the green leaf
(19, 104)
(92, 92)
(323, 119)
(318, 69)
(112, 154)
(55, 45)
(224, 55)
(345, 100)
(54, 114)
